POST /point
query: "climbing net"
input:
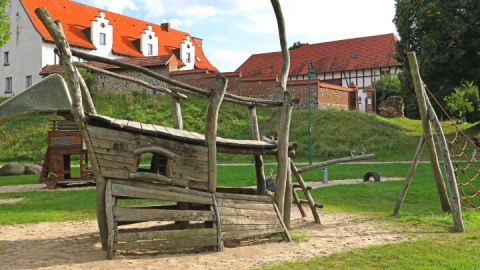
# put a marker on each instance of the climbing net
(464, 152)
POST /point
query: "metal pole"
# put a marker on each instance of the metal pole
(310, 150)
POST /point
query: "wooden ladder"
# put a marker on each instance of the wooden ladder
(306, 191)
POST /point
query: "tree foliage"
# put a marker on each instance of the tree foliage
(4, 24)
(297, 45)
(446, 37)
(385, 87)
(457, 102)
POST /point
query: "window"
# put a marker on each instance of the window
(6, 60)
(188, 57)
(103, 39)
(150, 49)
(369, 101)
(8, 85)
(28, 81)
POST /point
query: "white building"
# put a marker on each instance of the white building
(99, 32)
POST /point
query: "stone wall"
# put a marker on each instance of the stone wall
(392, 107)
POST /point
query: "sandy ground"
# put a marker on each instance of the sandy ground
(74, 245)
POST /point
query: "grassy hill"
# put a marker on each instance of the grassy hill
(335, 133)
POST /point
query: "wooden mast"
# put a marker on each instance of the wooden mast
(78, 112)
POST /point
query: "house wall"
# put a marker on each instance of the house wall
(24, 49)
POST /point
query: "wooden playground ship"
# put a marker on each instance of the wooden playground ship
(181, 176)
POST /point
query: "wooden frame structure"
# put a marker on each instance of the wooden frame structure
(183, 163)
(429, 119)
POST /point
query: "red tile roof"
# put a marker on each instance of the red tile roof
(76, 19)
(348, 54)
(150, 61)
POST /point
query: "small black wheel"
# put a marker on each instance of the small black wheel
(368, 175)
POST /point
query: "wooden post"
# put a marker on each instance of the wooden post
(298, 202)
(78, 114)
(211, 122)
(456, 206)
(109, 206)
(408, 180)
(288, 199)
(259, 170)
(177, 113)
(310, 200)
(427, 131)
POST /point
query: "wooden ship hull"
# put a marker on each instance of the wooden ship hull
(175, 177)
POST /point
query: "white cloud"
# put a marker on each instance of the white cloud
(178, 12)
(227, 59)
(117, 6)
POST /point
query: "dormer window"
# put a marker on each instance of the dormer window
(149, 42)
(103, 39)
(187, 53)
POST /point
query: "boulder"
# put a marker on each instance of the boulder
(33, 169)
(12, 169)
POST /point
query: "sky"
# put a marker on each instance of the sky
(232, 30)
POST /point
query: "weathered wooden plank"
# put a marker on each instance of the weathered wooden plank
(248, 220)
(112, 152)
(248, 227)
(187, 242)
(137, 192)
(217, 224)
(109, 206)
(130, 214)
(172, 234)
(127, 159)
(114, 173)
(245, 197)
(250, 233)
(229, 211)
(248, 191)
(122, 165)
(155, 186)
(251, 206)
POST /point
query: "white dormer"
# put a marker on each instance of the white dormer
(187, 53)
(101, 35)
(149, 42)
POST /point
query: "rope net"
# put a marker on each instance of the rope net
(464, 152)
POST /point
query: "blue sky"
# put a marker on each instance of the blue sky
(232, 30)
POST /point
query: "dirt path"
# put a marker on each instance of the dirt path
(74, 245)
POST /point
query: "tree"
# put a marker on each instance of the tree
(385, 87)
(4, 24)
(457, 103)
(446, 37)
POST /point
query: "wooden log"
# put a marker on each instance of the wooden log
(409, 178)
(109, 210)
(317, 205)
(334, 161)
(131, 214)
(86, 97)
(282, 157)
(296, 199)
(288, 200)
(181, 87)
(259, 169)
(427, 131)
(286, 234)
(211, 122)
(218, 223)
(65, 56)
(309, 197)
(455, 204)
(177, 113)
(145, 84)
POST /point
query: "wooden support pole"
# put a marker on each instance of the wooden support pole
(78, 114)
(305, 190)
(282, 156)
(455, 204)
(211, 123)
(427, 131)
(259, 170)
(177, 113)
(288, 199)
(109, 206)
(411, 172)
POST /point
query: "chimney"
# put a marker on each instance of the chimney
(165, 26)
